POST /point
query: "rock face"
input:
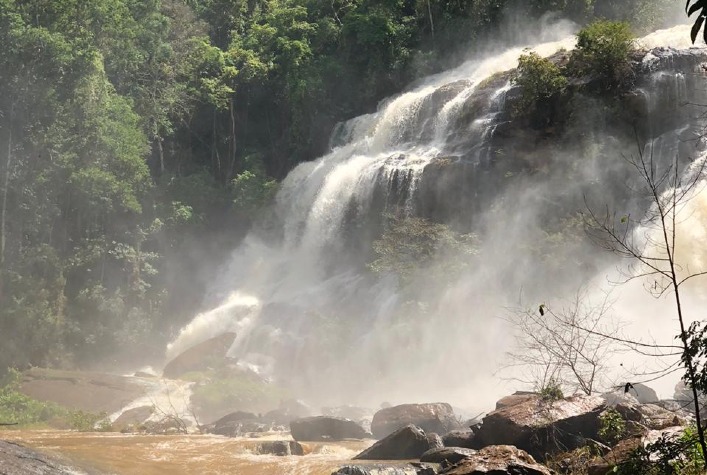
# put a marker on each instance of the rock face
(199, 357)
(320, 428)
(542, 427)
(410, 442)
(18, 460)
(433, 417)
(79, 390)
(498, 460)
(281, 448)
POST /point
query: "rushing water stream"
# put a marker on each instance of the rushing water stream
(175, 455)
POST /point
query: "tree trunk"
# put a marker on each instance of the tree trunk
(432, 24)
(232, 167)
(160, 149)
(3, 207)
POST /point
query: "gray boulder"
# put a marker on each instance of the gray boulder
(409, 442)
(644, 394)
(320, 428)
(431, 417)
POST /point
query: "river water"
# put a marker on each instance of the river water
(124, 454)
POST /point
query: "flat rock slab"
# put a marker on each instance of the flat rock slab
(16, 459)
(85, 391)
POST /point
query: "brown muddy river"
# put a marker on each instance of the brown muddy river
(124, 454)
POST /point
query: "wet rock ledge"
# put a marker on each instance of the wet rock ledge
(16, 459)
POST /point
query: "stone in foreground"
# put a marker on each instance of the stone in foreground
(498, 460)
(381, 469)
(18, 460)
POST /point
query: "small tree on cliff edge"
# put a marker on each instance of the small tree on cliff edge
(650, 243)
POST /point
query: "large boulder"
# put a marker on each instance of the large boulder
(543, 427)
(320, 428)
(409, 442)
(498, 460)
(200, 357)
(644, 394)
(432, 417)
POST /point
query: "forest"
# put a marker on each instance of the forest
(141, 139)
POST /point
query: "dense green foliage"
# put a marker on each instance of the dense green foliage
(603, 50)
(139, 139)
(600, 64)
(541, 83)
(669, 455)
(20, 409)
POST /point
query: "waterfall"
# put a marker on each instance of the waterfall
(307, 310)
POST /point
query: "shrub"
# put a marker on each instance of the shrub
(90, 422)
(603, 51)
(551, 392)
(540, 81)
(18, 408)
(612, 427)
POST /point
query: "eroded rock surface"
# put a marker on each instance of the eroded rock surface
(16, 459)
(542, 427)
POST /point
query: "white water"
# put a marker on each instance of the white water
(168, 398)
(295, 299)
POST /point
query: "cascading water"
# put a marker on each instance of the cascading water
(308, 312)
